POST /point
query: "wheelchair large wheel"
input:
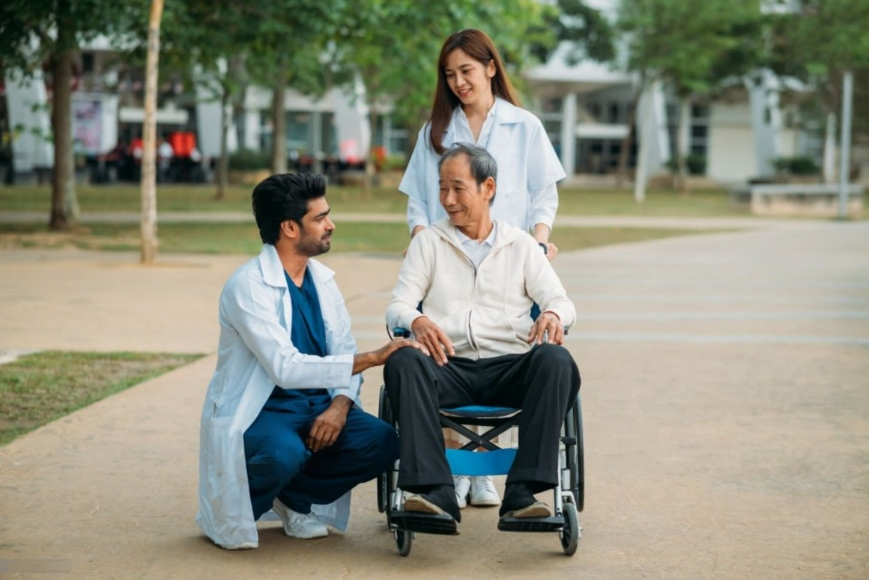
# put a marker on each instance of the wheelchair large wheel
(384, 491)
(404, 541)
(575, 460)
(571, 531)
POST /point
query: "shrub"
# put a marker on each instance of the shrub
(695, 164)
(799, 165)
(804, 166)
(248, 160)
(395, 161)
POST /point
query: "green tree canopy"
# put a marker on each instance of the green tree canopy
(34, 33)
(692, 46)
(818, 42)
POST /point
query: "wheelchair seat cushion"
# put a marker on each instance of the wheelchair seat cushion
(480, 411)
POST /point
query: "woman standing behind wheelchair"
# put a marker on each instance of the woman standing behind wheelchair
(474, 102)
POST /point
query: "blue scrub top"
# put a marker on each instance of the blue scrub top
(308, 335)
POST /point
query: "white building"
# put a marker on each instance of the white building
(107, 109)
(586, 107)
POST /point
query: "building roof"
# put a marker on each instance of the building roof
(588, 75)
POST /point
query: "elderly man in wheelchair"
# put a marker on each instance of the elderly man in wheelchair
(465, 291)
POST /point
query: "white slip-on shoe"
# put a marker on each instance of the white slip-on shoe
(242, 546)
(483, 493)
(463, 486)
(301, 526)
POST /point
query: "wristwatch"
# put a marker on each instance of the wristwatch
(545, 248)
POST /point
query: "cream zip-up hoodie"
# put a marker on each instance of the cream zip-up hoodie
(485, 311)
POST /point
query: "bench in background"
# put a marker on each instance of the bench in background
(797, 199)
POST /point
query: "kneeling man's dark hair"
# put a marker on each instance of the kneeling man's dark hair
(282, 197)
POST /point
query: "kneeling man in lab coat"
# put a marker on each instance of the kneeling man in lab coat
(281, 427)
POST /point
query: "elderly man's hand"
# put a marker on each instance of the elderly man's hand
(433, 338)
(546, 329)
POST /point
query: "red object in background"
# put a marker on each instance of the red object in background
(183, 142)
(136, 148)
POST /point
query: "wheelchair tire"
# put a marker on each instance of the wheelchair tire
(571, 531)
(575, 460)
(404, 541)
(383, 488)
(382, 492)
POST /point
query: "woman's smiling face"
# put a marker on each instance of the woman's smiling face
(469, 79)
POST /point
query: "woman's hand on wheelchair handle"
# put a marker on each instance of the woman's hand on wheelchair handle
(433, 338)
(551, 251)
(546, 329)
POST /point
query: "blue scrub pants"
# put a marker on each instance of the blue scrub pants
(279, 465)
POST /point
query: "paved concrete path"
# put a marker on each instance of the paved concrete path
(725, 407)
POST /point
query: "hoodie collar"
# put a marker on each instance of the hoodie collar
(503, 233)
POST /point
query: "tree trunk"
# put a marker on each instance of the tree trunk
(64, 205)
(370, 168)
(149, 138)
(279, 121)
(683, 124)
(645, 138)
(223, 161)
(628, 140)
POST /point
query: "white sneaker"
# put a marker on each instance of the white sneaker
(302, 526)
(483, 492)
(242, 546)
(463, 486)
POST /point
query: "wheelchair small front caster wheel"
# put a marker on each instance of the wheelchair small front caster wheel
(404, 541)
(571, 531)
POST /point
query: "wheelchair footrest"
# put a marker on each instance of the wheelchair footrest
(552, 524)
(423, 523)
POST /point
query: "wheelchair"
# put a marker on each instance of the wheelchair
(568, 493)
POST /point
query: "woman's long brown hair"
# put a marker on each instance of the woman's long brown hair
(477, 45)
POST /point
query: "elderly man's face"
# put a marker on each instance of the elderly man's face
(466, 203)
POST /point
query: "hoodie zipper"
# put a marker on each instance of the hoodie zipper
(471, 340)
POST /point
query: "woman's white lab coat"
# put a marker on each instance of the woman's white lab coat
(255, 354)
(528, 170)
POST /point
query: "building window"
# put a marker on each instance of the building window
(699, 142)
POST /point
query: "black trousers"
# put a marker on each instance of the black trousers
(542, 382)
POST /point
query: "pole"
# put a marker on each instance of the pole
(845, 156)
(645, 140)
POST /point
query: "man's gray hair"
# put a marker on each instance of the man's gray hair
(483, 165)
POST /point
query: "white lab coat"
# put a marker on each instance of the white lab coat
(528, 170)
(255, 354)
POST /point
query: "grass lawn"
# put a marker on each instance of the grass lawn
(191, 198)
(39, 388)
(236, 238)
(701, 203)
